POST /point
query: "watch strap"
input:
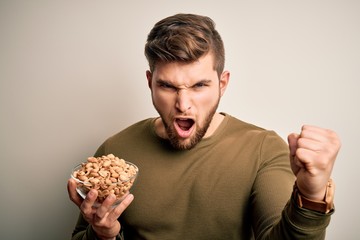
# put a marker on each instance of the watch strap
(324, 206)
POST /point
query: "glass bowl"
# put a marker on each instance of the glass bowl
(107, 174)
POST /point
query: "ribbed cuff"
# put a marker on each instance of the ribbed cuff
(305, 219)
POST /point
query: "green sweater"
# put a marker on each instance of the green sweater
(235, 184)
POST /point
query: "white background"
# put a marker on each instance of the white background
(72, 73)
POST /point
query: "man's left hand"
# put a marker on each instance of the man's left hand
(312, 155)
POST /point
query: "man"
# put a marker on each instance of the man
(205, 174)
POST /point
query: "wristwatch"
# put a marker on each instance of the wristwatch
(324, 206)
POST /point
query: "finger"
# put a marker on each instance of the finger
(73, 195)
(316, 133)
(292, 140)
(298, 163)
(313, 138)
(310, 144)
(306, 156)
(328, 137)
(86, 206)
(117, 211)
(322, 160)
(320, 140)
(105, 207)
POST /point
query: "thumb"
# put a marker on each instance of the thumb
(73, 195)
(292, 140)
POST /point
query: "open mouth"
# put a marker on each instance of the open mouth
(184, 126)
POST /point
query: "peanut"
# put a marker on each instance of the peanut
(107, 174)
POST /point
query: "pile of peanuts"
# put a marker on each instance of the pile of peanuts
(107, 174)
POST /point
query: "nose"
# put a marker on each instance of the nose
(183, 100)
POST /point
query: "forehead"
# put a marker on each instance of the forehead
(203, 68)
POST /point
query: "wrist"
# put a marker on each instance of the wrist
(100, 236)
(315, 194)
(325, 205)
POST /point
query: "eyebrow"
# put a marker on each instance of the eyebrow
(204, 81)
(161, 81)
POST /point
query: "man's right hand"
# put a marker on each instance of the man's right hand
(103, 219)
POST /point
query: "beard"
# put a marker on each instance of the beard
(179, 144)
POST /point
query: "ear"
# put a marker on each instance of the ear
(149, 78)
(224, 81)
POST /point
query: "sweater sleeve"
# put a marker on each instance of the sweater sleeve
(275, 215)
(299, 223)
(83, 230)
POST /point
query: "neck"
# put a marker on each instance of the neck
(215, 122)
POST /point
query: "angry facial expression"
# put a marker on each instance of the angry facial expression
(186, 96)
